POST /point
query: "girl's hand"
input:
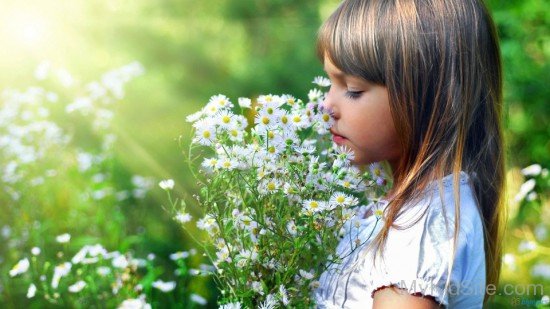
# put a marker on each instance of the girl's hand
(393, 297)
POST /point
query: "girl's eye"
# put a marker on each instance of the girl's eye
(353, 94)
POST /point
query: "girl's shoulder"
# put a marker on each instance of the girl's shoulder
(420, 244)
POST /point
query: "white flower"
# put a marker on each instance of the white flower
(306, 275)
(31, 291)
(527, 245)
(183, 217)
(220, 101)
(342, 199)
(245, 102)
(236, 305)
(167, 184)
(103, 271)
(291, 228)
(541, 232)
(509, 260)
(120, 262)
(179, 255)
(135, 303)
(257, 287)
(77, 287)
(164, 286)
(313, 206)
(60, 271)
(198, 299)
(532, 170)
(344, 156)
(283, 295)
(545, 300)
(63, 238)
(314, 95)
(321, 81)
(20, 268)
(269, 303)
(525, 188)
(35, 251)
(541, 270)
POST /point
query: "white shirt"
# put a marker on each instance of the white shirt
(416, 258)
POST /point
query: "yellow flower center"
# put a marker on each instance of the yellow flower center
(206, 134)
(265, 120)
(314, 204)
(284, 119)
(340, 199)
(297, 119)
(234, 133)
(271, 186)
(226, 119)
(326, 117)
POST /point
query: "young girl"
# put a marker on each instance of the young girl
(417, 83)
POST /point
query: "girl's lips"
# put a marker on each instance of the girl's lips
(338, 139)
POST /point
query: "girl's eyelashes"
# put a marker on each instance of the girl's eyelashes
(353, 94)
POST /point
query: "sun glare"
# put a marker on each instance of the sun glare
(27, 28)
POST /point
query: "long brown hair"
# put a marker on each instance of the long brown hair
(440, 62)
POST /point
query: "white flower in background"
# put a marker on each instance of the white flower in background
(541, 232)
(225, 119)
(541, 270)
(306, 275)
(227, 164)
(63, 238)
(164, 286)
(135, 303)
(183, 217)
(245, 102)
(77, 287)
(257, 287)
(525, 188)
(198, 299)
(291, 228)
(194, 117)
(527, 245)
(103, 271)
(545, 300)
(321, 81)
(179, 255)
(283, 295)
(42, 70)
(60, 271)
(31, 291)
(509, 260)
(342, 199)
(205, 135)
(167, 184)
(210, 163)
(20, 268)
(120, 262)
(269, 303)
(236, 305)
(532, 170)
(35, 251)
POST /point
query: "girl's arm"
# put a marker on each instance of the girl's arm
(393, 297)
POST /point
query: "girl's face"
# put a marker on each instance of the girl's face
(362, 117)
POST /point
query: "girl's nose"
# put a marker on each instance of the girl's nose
(328, 104)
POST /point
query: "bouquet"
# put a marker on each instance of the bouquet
(276, 194)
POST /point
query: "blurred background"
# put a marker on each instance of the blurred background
(92, 117)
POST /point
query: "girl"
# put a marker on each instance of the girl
(417, 83)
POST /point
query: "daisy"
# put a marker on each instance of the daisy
(298, 121)
(289, 100)
(220, 101)
(77, 287)
(321, 81)
(227, 164)
(315, 95)
(377, 173)
(20, 268)
(344, 156)
(245, 102)
(225, 119)
(210, 163)
(164, 286)
(31, 291)
(313, 206)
